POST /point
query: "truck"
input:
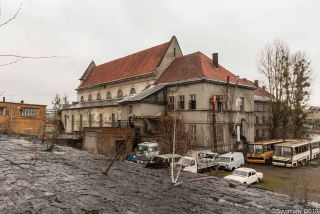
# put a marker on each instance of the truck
(163, 161)
(146, 151)
(231, 160)
(198, 161)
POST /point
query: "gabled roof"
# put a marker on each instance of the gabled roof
(136, 64)
(196, 66)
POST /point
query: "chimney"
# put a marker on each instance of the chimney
(215, 60)
(22, 101)
(256, 82)
(4, 99)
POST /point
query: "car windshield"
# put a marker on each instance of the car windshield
(287, 152)
(240, 173)
(224, 159)
(142, 148)
(258, 149)
(184, 162)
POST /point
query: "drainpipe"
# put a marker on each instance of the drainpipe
(214, 127)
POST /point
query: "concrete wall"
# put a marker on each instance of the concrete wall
(12, 121)
(103, 140)
(201, 117)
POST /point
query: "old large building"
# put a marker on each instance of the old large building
(22, 118)
(216, 106)
(262, 113)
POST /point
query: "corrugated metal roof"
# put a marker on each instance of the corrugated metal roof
(143, 94)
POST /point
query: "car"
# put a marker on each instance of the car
(231, 160)
(245, 175)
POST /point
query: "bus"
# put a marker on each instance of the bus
(315, 147)
(292, 153)
(261, 152)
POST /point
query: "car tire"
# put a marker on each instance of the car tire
(232, 169)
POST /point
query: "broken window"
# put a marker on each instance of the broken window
(241, 104)
(120, 94)
(181, 102)
(3, 111)
(99, 96)
(132, 91)
(108, 95)
(219, 103)
(171, 103)
(192, 102)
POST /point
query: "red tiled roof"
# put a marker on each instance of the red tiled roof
(139, 63)
(261, 92)
(197, 65)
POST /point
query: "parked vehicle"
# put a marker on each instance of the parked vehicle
(245, 175)
(198, 161)
(261, 152)
(231, 160)
(163, 161)
(146, 151)
(315, 147)
(292, 153)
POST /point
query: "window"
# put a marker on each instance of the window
(3, 111)
(264, 120)
(192, 102)
(99, 96)
(241, 104)
(90, 120)
(65, 121)
(171, 103)
(90, 98)
(82, 99)
(100, 120)
(174, 52)
(120, 94)
(130, 109)
(28, 112)
(181, 102)
(257, 119)
(72, 122)
(80, 126)
(257, 133)
(132, 91)
(108, 95)
(193, 132)
(263, 133)
(219, 103)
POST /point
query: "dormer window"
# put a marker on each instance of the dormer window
(90, 98)
(99, 96)
(132, 91)
(109, 95)
(120, 94)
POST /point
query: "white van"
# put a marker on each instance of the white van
(231, 160)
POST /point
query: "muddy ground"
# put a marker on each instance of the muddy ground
(71, 181)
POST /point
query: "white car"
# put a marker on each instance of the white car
(245, 175)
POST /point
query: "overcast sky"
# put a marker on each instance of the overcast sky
(104, 30)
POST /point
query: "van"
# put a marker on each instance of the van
(231, 160)
(146, 151)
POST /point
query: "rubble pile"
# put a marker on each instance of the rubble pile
(67, 180)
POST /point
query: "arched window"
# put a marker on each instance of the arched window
(82, 99)
(90, 98)
(132, 91)
(120, 94)
(99, 96)
(109, 95)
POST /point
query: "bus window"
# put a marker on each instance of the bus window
(287, 152)
(278, 151)
(250, 148)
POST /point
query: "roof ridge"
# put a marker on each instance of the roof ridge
(141, 51)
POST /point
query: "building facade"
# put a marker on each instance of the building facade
(262, 113)
(216, 106)
(21, 118)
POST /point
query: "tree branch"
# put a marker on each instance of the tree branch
(21, 57)
(13, 17)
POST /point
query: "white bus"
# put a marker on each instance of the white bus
(315, 148)
(292, 153)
